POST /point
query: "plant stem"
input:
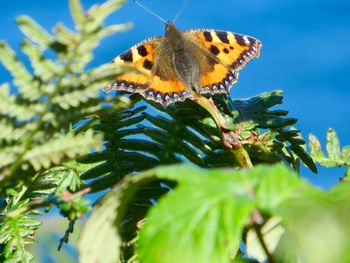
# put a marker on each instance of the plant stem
(230, 138)
(270, 258)
(209, 105)
(242, 157)
(258, 222)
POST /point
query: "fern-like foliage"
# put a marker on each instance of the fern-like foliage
(148, 134)
(39, 116)
(54, 94)
(335, 157)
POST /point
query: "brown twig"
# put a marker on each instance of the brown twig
(270, 258)
(68, 196)
(257, 220)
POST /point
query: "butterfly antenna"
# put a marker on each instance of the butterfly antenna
(149, 11)
(184, 2)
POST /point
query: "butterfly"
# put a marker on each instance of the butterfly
(180, 64)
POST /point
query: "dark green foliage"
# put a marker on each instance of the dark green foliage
(148, 135)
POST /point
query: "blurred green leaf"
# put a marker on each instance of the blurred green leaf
(77, 13)
(34, 32)
(42, 66)
(98, 13)
(276, 185)
(206, 229)
(306, 220)
(114, 29)
(21, 76)
(99, 240)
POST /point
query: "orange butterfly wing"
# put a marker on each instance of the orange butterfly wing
(231, 52)
(140, 56)
(151, 84)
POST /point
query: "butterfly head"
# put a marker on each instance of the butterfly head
(170, 28)
(173, 35)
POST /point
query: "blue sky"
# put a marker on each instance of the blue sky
(305, 50)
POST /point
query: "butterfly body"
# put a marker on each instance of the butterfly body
(185, 57)
(181, 64)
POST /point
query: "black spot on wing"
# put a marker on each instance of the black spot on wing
(240, 40)
(222, 35)
(207, 36)
(142, 51)
(147, 64)
(226, 51)
(126, 56)
(214, 50)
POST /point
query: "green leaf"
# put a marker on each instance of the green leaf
(346, 178)
(296, 147)
(43, 68)
(207, 229)
(336, 156)
(346, 154)
(21, 76)
(319, 230)
(99, 13)
(15, 233)
(99, 241)
(66, 36)
(114, 29)
(77, 13)
(333, 147)
(34, 32)
(341, 194)
(257, 109)
(54, 182)
(315, 147)
(9, 107)
(7, 127)
(276, 185)
(58, 149)
(304, 156)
